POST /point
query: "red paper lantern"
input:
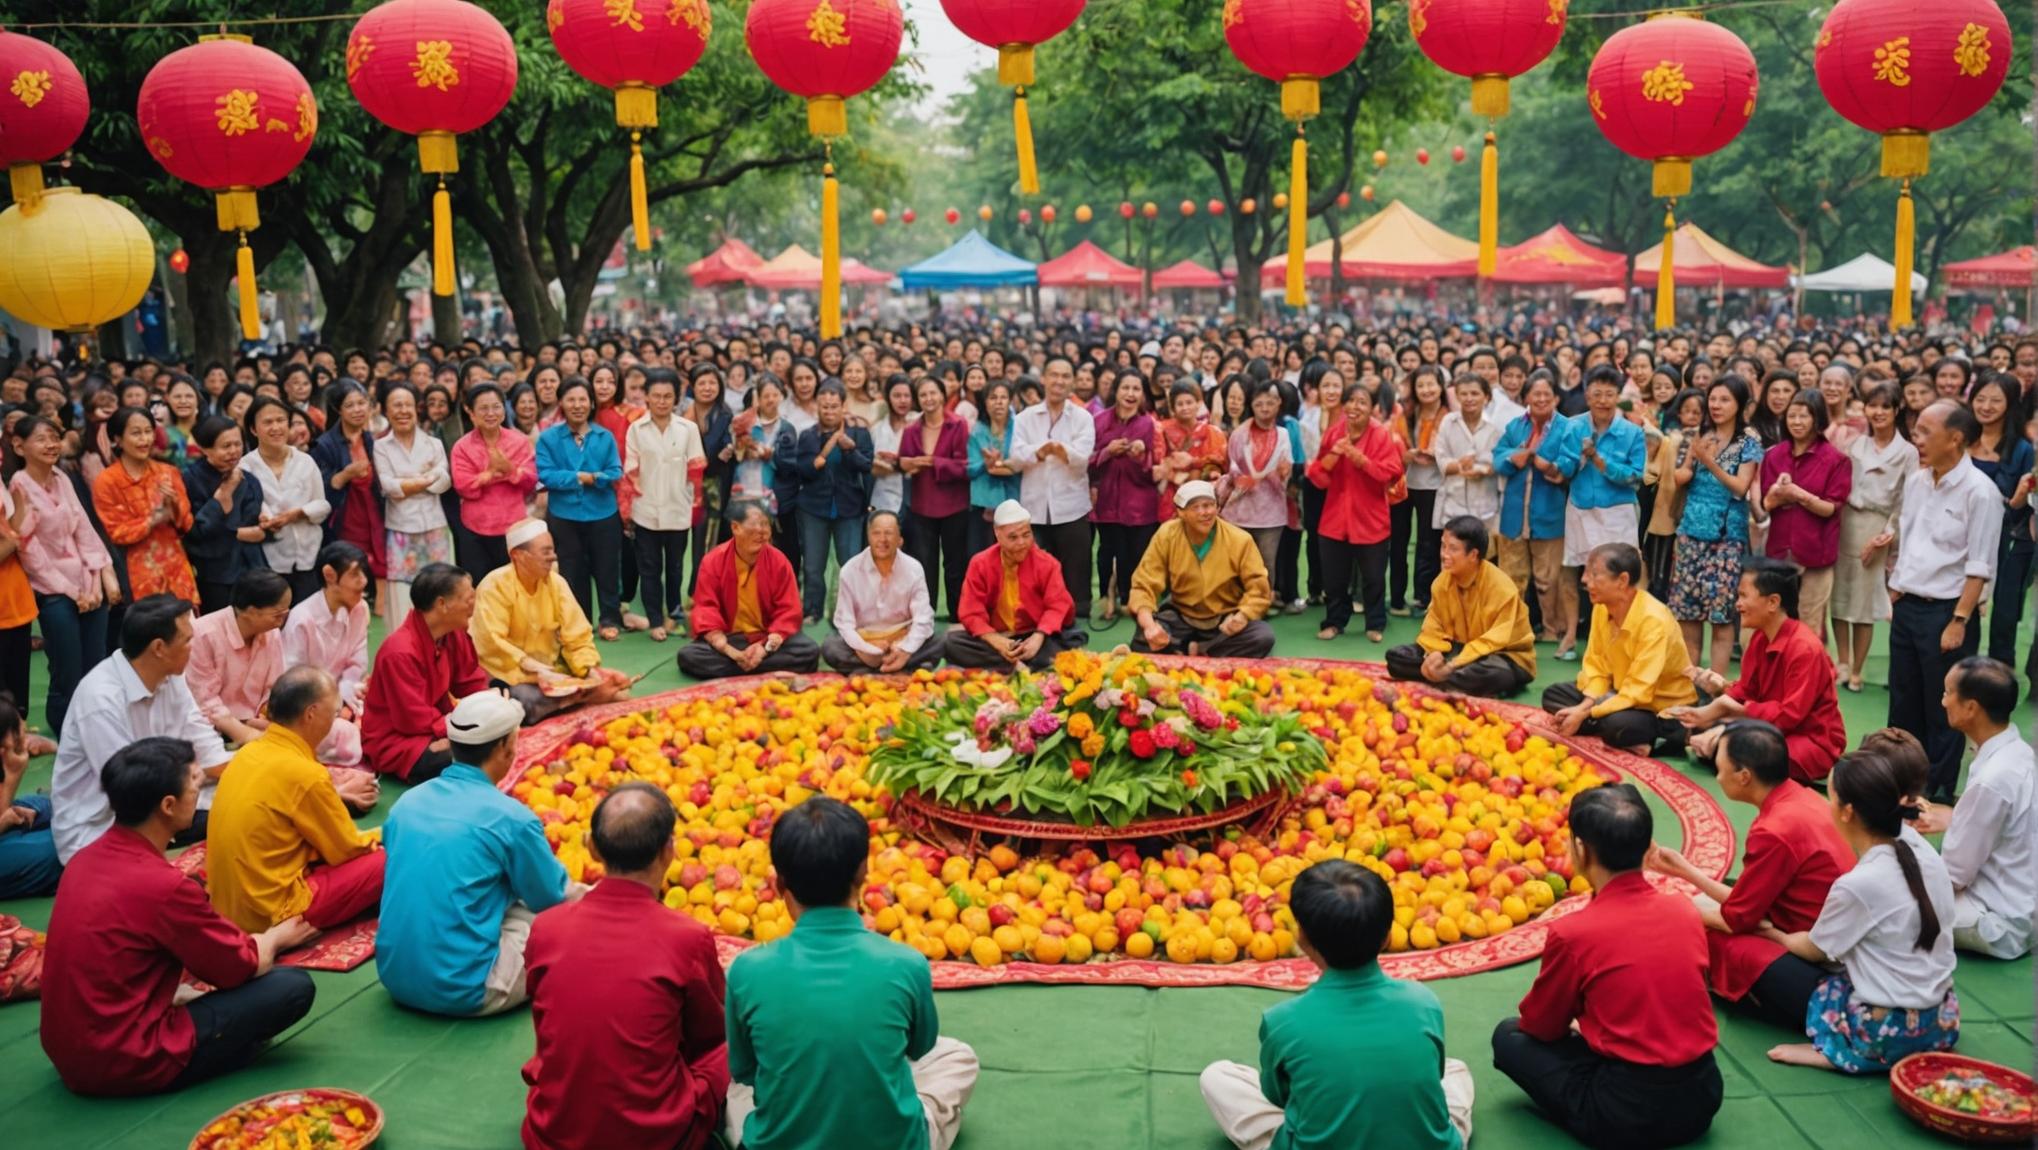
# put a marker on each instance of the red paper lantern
(180, 261)
(1422, 156)
(1344, 199)
(954, 217)
(1458, 154)
(908, 216)
(1127, 210)
(1047, 214)
(1188, 208)
(1487, 41)
(1366, 193)
(1150, 209)
(1083, 214)
(1380, 157)
(42, 110)
(1025, 217)
(1248, 206)
(1215, 207)
(432, 69)
(878, 217)
(1014, 28)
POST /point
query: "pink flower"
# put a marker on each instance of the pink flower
(1165, 737)
(1043, 723)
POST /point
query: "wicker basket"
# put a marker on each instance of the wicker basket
(917, 813)
(1920, 1070)
(350, 1097)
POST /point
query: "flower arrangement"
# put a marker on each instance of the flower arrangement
(1098, 740)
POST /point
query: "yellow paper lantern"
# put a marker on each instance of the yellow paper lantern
(77, 262)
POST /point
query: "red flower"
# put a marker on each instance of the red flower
(1230, 723)
(1080, 768)
(1128, 718)
(1142, 744)
(1189, 779)
(1185, 748)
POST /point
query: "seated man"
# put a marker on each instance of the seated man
(884, 621)
(132, 694)
(1793, 855)
(626, 997)
(746, 606)
(280, 843)
(1787, 679)
(531, 635)
(421, 670)
(28, 849)
(468, 868)
(833, 1035)
(1634, 662)
(1476, 638)
(236, 654)
(1990, 848)
(330, 629)
(1615, 1039)
(1358, 1058)
(1015, 606)
(1214, 578)
(127, 925)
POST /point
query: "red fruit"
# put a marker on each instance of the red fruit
(1346, 711)
(1058, 927)
(1524, 834)
(550, 816)
(1226, 848)
(1472, 858)
(1396, 859)
(1001, 914)
(1400, 723)
(730, 840)
(562, 787)
(598, 740)
(1127, 921)
(691, 874)
(875, 898)
(1197, 899)
(1479, 839)
(700, 794)
(1516, 875)
(1156, 888)
(1263, 923)
(1099, 882)
(1434, 867)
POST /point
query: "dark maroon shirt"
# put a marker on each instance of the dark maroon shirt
(1126, 492)
(943, 489)
(1794, 532)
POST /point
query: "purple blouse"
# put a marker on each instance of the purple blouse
(942, 490)
(1126, 493)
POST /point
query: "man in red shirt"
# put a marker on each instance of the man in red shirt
(127, 925)
(1015, 606)
(746, 606)
(1787, 679)
(626, 997)
(421, 671)
(1629, 971)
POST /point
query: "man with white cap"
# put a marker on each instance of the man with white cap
(1015, 605)
(1215, 581)
(884, 619)
(531, 634)
(468, 868)
(746, 606)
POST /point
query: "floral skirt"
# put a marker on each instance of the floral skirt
(1861, 1039)
(1705, 579)
(410, 553)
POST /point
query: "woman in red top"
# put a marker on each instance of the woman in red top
(1186, 448)
(934, 457)
(142, 504)
(1358, 462)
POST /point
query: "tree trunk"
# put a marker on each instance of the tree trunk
(215, 329)
(446, 319)
(1247, 285)
(1337, 260)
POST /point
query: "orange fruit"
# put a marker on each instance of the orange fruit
(1139, 945)
(1261, 948)
(1182, 948)
(1049, 949)
(1223, 950)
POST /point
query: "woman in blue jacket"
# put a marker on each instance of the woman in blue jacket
(1533, 496)
(579, 465)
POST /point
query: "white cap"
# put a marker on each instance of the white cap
(483, 717)
(1009, 512)
(1151, 349)
(1193, 490)
(522, 532)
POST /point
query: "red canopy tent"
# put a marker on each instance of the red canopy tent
(1558, 256)
(2010, 269)
(1087, 265)
(796, 269)
(725, 265)
(1702, 261)
(1188, 276)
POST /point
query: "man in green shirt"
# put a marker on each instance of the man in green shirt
(1358, 1058)
(832, 1031)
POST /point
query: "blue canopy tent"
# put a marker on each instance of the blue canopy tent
(973, 262)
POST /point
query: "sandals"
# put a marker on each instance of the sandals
(609, 634)
(1328, 633)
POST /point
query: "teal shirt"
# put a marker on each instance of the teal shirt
(824, 1023)
(1357, 1060)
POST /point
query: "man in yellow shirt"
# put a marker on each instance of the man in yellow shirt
(1634, 662)
(1476, 638)
(531, 635)
(279, 842)
(1215, 581)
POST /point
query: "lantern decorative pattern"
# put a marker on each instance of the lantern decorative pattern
(432, 69)
(1905, 69)
(633, 51)
(43, 104)
(74, 261)
(1015, 28)
(1297, 43)
(826, 51)
(1670, 90)
(231, 117)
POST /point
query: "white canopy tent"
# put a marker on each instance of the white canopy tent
(1863, 273)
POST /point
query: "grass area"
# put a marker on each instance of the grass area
(1062, 1066)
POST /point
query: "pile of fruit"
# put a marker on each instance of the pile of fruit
(1971, 1092)
(1462, 812)
(294, 1120)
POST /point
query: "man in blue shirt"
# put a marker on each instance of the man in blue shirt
(468, 870)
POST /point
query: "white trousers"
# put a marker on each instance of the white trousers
(1233, 1094)
(944, 1078)
(1984, 931)
(505, 989)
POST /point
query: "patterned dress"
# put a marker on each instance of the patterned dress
(155, 558)
(1712, 540)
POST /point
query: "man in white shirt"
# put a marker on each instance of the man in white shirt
(1990, 849)
(884, 621)
(131, 695)
(1051, 444)
(1946, 558)
(664, 457)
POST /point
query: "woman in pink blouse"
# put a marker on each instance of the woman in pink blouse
(67, 565)
(494, 470)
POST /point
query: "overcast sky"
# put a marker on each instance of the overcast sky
(946, 56)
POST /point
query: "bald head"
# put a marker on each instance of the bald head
(306, 700)
(632, 830)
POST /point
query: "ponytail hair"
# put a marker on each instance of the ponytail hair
(1867, 781)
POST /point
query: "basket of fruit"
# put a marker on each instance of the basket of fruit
(324, 1117)
(1965, 1098)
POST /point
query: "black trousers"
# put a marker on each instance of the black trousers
(1491, 676)
(1410, 520)
(1069, 543)
(1312, 547)
(1288, 567)
(16, 645)
(661, 573)
(1604, 1102)
(1783, 994)
(429, 764)
(591, 548)
(963, 649)
(1917, 680)
(1120, 547)
(490, 553)
(941, 547)
(627, 572)
(837, 653)
(1633, 727)
(2014, 564)
(1254, 641)
(798, 654)
(1341, 562)
(233, 1026)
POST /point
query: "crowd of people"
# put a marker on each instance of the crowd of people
(1653, 509)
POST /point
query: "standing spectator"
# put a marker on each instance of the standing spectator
(345, 455)
(713, 418)
(1532, 504)
(2003, 453)
(1185, 448)
(495, 470)
(828, 473)
(757, 435)
(1317, 416)
(226, 533)
(665, 462)
(410, 464)
(1051, 445)
(1805, 482)
(1358, 463)
(888, 487)
(68, 568)
(1463, 447)
(1415, 516)
(293, 499)
(1604, 458)
(1880, 461)
(142, 504)
(1128, 502)
(934, 454)
(1718, 474)
(1683, 418)
(1261, 462)
(579, 465)
(992, 479)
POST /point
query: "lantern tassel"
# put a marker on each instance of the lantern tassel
(1298, 222)
(26, 181)
(1022, 131)
(1015, 65)
(1666, 278)
(1489, 208)
(640, 197)
(1906, 236)
(831, 255)
(1489, 96)
(251, 301)
(1906, 155)
(442, 240)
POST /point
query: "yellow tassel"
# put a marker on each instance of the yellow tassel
(1671, 179)
(251, 301)
(1022, 131)
(1298, 223)
(1301, 98)
(636, 107)
(1015, 65)
(1489, 96)
(26, 180)
(640, 196)
(1666, 279)
(438, 153)
(1906, 237)
(442, 240)
(236, 210)
(831, 255)
(1906, 155)
(827, 117)
(1489, 208)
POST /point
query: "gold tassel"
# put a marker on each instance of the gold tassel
(1022, 131)
(1489, 97)
(1015, 65)
(640, 197)
(1301, 98)
(1670, 179)
(1906, 237)
(827, 117)
(1489, 208)
(1906, 155)
(636, 106)
(251, 300)
(26, 180)
(831, 255)
(442, 240)
(1666, 279)
(438, 153)
(236, 210)
(1298, 222)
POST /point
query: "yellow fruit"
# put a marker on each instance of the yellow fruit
(886, 921)
(1009, 939)
(1514, 908)
(985, 952)
(1421, 937)
(1140, 945)
(1447, 930)
(1261, 948)
(1182, 948)
(1049, 950)
(1079, 948)
(1106, 939)
(1397, 937)
(957, 939)
(1223, 950)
